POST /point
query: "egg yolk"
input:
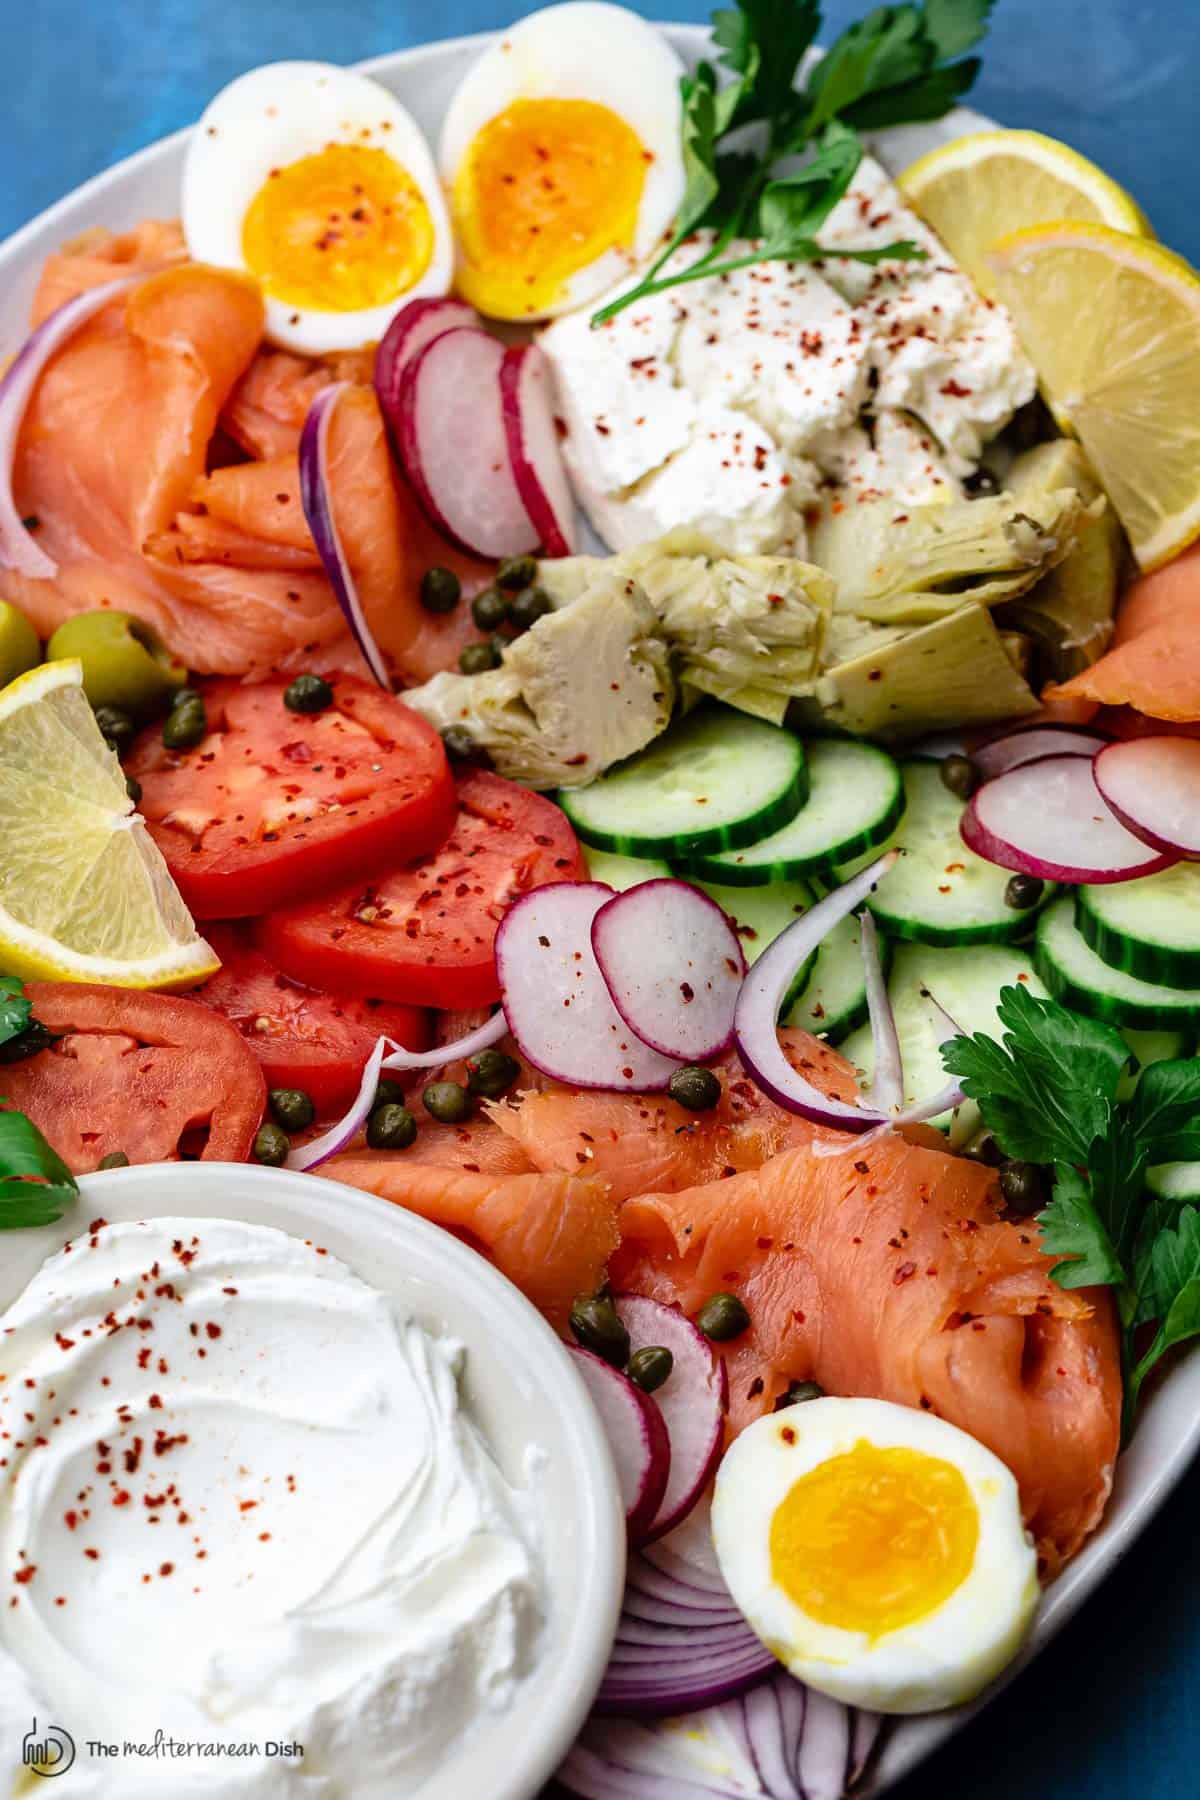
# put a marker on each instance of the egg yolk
(546, 187)
(339, 231)
(875, 1538)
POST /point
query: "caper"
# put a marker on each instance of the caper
(596, 1325)
(476, 659)
(292, 1107)
(695, 1088)
(133, 788)
(983, 1148)
(650, 1367)
(388, 1093)
(492, 1073)
(530, 605)
(723, 1317)
(1024, 1187)
(799, 1391)
(29, 1042)
(461, 747)
(516, 572)
(391, 1127)
(182, 695)
(116, 1159)
(489, 609)
(185, 725)
(960, 775)
(441, 590)
(308, 694)
(980, 484)
(116, 727)
(447, 1102)
(1023, 891)
(271, 1145)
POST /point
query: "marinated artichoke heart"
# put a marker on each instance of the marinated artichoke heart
(580, 690)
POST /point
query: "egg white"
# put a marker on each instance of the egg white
(584, 50)
(940, 1660)
(271, 117)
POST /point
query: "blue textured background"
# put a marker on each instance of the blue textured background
(1111, 1710)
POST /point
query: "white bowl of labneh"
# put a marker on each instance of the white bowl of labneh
(298, 1496)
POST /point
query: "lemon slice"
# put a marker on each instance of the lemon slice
(981, 187)
(84, 893)
(1112, 324)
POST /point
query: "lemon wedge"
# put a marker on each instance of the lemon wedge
(1112, 325)
(979, 188)
(84, 893)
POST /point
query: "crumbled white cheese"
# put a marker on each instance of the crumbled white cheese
(891, 456)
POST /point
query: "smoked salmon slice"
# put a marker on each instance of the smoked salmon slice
(1154, 664)
(97, 256)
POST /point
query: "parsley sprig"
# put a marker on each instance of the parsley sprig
(1048, 1093)
(36, 1185)
(744, 119)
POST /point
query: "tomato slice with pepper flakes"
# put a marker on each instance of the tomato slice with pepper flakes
(272, 806)
(153, 1075)
(302, 1036)
(426, 933)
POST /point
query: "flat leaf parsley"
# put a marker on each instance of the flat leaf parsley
(36, 1185)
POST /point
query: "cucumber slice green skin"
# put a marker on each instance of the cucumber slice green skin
(749, 778)
(1148, 1047)
(1118, 923)
(624, 872)
(834, 1001)
(1077, 977)
(831, 772)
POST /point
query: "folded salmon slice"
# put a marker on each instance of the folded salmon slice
(97, 256)
(552, 1235)
(1154, 664)
(886, 1270)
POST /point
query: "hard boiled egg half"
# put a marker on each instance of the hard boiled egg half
(317, 182)
(561, 153)
(877, 1550)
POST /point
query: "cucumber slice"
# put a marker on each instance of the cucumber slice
(1175, 1181)
(1149, 928)
(835, 999)
(760, 914)
(940, 892)
(714, 781)
(1077, 976)
(967, 982)
(623, 872)
(855, 798)
(1148, 1047)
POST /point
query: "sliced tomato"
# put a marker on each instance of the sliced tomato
(426, 932)
(272, 805)
(302, 1036)
(153, 1075)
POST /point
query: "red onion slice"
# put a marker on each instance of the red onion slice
(18, 549)
(341, 1136)
(318, 510)
(1030, 745)
(1152, 784)
(1048, 818)
(526, 387)
(482, 1038)
(636, 1436)
(693, 1401)
(887, 1085)
(414, 326)
(673, 965)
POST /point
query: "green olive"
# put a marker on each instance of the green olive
(185, 725)
(441, 590)
(492, 1073)
(116, 1159)
(19, 646)
(530, 605)
(799, 1391)
(391, 1127)
(271, 1145)
(476, 659)
(960, 775)
(388, 1093)
(447, 1102)
(1023, 891)
(650, 1367)
(596, 1324)
(489, 609)
(516, 572)
(292, 1107)
(696, 1089)
(1024, 1188)
(723, 1317)
(308, 694)
(125, 664)
(116, 728)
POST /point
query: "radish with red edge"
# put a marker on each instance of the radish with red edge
(454, 448)
(1049, 819)
(1030, 745)
(1152, 784)
(637, 1437)
(526, 389)
(693, 1401)
(558, 1008)
(414, 326)
(673, 964)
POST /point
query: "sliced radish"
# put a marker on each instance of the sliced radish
(558, 1007)
(453, 444)
(1030, 745)
(1152, 784)
(673, 964)
(526, 389)
(637, 1437)
(414, 326)
(1049, 819)
(693, 1401)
